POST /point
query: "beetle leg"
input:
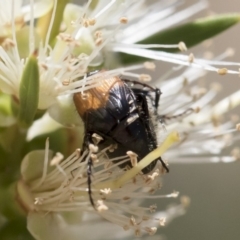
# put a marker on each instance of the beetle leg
(147, 126)
(155, 90)
(89, 180)
(88, 141)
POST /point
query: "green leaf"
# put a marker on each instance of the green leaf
(195, 32)
(190, 33)
(29, 91)
(15, 229)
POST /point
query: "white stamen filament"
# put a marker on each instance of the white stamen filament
(50, 27)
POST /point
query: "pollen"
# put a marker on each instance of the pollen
(78, 153)
(162, 222)
(151, 231)
(124, 20)
(191, 58)
(8, 44)
(65, 37)
(106, 191)
(153, 208)
(222, 71)
(96, 138)
(182, 47)
(149, 65)
(133, 158)
(238, 126)
(56, 159)
(66, 82)
(38, 201)
(151, 177)
(98, 34)
(197, 109)
(44, 66)
(185, 200)
(19, 20)
(236, 153)
(93, 148)
(85, 23)
(112, 147)
(94, 157)
(101, 206)
(145, 77)
(98, 41)
(175, 194)
(152, 190)
(92, 21)
(132, 221)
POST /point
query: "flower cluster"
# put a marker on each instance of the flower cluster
(47, 49)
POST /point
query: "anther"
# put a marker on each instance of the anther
(56, 159)
(93, 148)
(124, 20)
(149, 65)
(133, 158)
(222, 71)
(96, 138)
(182, 47)
(145, 77)
(191, 58)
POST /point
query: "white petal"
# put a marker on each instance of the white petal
(6, 10)
(40, 8)
(64, 112)
(46, 226)
(71, 13)
(57, 226)
(32, 165)
(152, 28)
(42, 126)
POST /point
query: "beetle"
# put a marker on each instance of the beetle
(119, 113)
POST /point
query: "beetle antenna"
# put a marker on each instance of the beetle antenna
(163, 118)
(88, 142)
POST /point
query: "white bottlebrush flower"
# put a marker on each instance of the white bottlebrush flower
(17, 13)
(54, 192)
(62, 192)
(56, 197)
(203, 130)
(89, 41)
